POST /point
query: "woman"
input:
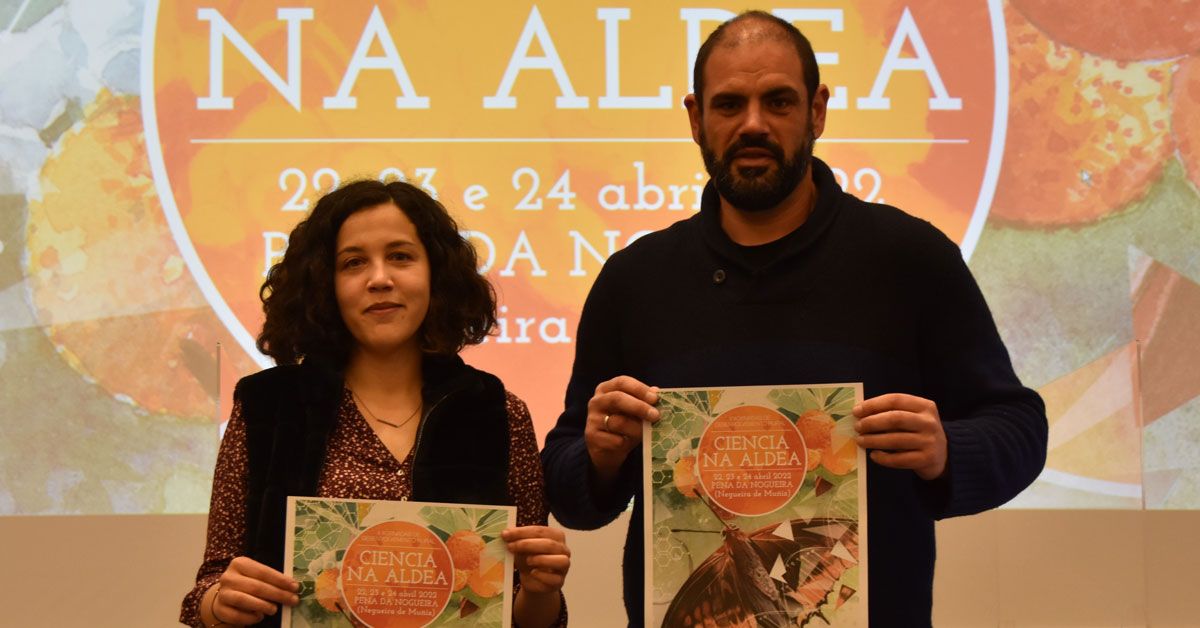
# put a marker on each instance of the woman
(365, 315)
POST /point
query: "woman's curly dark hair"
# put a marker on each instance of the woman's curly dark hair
(302, 316)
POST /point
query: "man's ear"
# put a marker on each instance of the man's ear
(694, 115)
(820, 104)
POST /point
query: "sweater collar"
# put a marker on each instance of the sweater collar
(829, 196)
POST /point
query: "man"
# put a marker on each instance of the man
(783, 278)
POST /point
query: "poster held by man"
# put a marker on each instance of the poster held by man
(758, 507)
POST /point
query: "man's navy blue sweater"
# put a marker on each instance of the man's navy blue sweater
(859, 293)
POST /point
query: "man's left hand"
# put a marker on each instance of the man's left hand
(903, 432)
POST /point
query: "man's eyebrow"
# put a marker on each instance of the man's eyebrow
(727, 96)
(776, 92)
(782, 90)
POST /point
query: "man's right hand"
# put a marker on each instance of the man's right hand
(614, 423)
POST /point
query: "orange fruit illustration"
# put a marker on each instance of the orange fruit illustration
(685, 476)
(815, 426)
(328, 594)
(465, 548)
(841, 456)
(488, 580)
(1085, 135)
(1126, 30)
(814, 459)
(460, 578)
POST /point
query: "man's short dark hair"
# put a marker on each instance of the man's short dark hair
(303, 320)
(808, 59)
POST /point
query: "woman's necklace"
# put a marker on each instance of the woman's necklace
(384, 421)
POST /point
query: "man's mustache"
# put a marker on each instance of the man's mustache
(755, 142)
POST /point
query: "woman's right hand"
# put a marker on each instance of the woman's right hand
(248, 591)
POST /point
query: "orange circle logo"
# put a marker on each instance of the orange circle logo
(540, 126)
(752, 460)
(397, 575)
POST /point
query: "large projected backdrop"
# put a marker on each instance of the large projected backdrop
(156, 155)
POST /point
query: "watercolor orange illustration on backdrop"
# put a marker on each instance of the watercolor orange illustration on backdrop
(1121, 30)
(1086, 135)
(1100, 107)
(106, 278)
(1185, 116)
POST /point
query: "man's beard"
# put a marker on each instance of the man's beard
(757, 188)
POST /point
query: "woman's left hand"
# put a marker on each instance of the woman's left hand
(541, 555)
